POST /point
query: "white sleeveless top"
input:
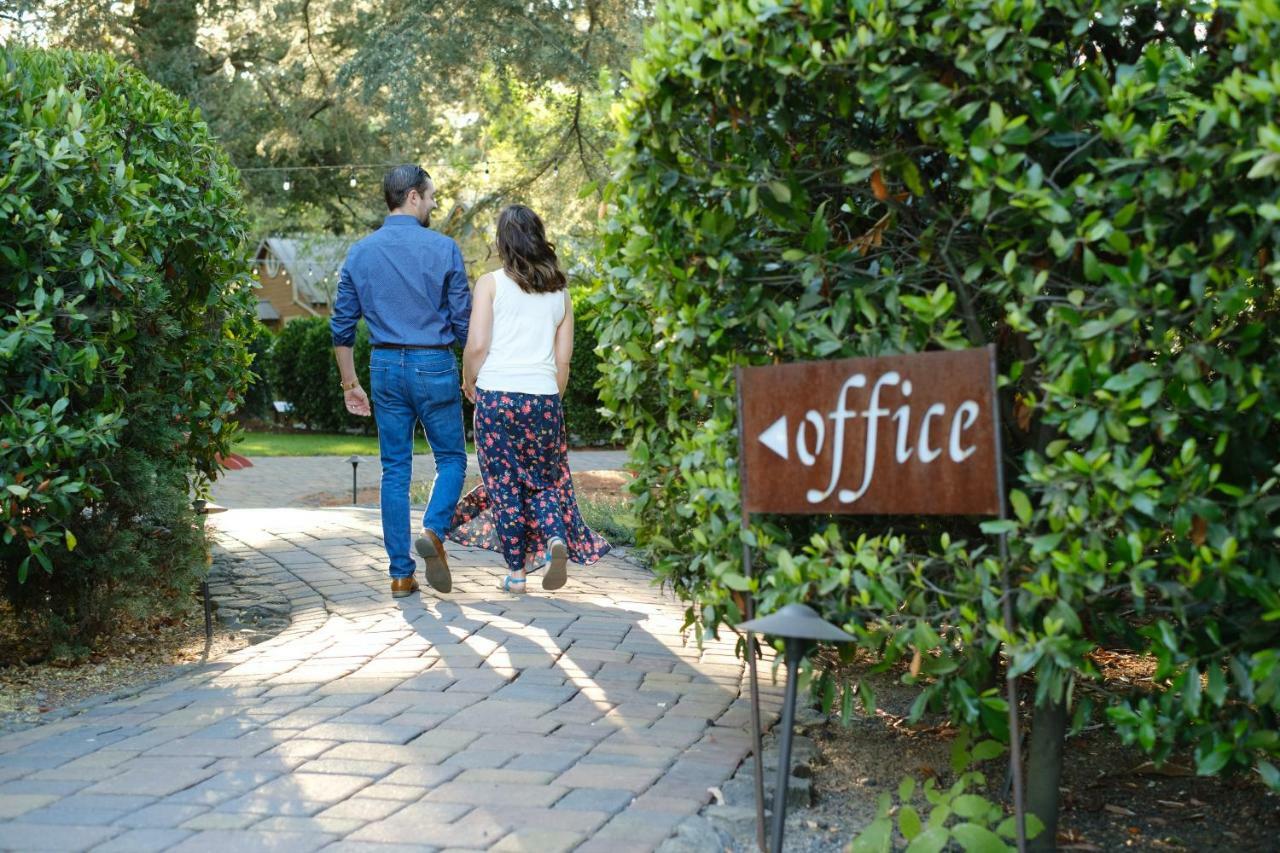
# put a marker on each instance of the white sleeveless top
(522, 349)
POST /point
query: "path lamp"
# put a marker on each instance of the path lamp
(204, 507)
(798, 625)
(355, 461)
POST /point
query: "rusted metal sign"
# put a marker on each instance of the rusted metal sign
(904, 434)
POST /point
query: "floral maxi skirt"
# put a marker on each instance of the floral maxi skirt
(526, 494)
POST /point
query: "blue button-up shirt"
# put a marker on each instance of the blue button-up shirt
(409, 284)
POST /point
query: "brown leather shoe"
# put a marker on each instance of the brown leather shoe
(431, 550)
(402, 587)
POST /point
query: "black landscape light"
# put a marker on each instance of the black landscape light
(355, 461)
(798, 625)
(204, 507)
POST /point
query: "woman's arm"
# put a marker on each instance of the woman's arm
(479, 335)
(564, 344)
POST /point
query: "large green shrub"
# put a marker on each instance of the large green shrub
(125, 307)
(258, 396)
(303, 372)
(1090, 185)
(583, 421)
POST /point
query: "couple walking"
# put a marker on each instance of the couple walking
(410, 285)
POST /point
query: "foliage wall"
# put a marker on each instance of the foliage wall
(583, 420)
(303, 372)
(300, 369)
(1090, 185)
(126, 306)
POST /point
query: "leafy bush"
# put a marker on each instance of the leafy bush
(958, 814)
(126, 311)
(1089, 185)
(258, 396)
(585, 424)
(303, 372)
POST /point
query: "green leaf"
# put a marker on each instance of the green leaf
(70, 539)
(780, 191)
(987, 750)
(1210, 761)
(932, 840)
(977, 839)
(1021, 506)
(1093, 329)
(971, 806)
(1270, 775)
(1082, 427)
(875, 838)
(909, 822)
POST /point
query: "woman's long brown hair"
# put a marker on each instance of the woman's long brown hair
(529, 259)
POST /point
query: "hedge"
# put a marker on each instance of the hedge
(126, 309)
(1089, 185)
(302, 371)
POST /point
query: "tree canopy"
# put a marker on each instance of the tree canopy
(498, 99)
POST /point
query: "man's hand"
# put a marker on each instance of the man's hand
(469, 390)
(357, 402)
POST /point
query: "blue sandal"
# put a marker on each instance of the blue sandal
(508, 582)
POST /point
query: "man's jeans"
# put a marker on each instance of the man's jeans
(409, 386)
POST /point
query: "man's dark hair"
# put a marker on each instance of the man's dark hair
(401, 179)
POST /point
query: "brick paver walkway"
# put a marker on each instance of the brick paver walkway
(479, 720)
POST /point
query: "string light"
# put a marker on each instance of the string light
(287, 185)
(352, 182)
(356, 167)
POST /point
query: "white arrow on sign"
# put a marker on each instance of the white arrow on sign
(775, 437)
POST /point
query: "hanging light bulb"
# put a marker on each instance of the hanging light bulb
(352, 182)
(486, 168)
(555, 169)
(287, 185)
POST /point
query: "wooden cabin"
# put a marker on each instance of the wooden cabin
(297, 276)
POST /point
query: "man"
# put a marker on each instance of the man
(410, 285)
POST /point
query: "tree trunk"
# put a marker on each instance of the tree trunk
(1044, 770)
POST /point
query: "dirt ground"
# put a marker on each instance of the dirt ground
(1113, 798)
(138, 654)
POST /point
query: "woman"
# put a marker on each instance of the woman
(514, 369)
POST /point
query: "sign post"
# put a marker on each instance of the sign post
(914, 434)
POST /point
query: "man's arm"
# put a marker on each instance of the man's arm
(458, 294)
(342, 325)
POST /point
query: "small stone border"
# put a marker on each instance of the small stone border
(244, 601)
(728, 822)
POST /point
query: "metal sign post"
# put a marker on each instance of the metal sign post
(914, 434)
(752, 643)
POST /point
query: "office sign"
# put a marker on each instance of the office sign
(904, 434)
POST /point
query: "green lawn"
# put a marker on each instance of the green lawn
(253, 444)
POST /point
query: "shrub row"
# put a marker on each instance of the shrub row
(125, 307)
(1090, 185)
(297, 366)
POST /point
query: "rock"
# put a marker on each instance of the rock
(736, 819)
(799, 793)
(740, 791)
(696, 835)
